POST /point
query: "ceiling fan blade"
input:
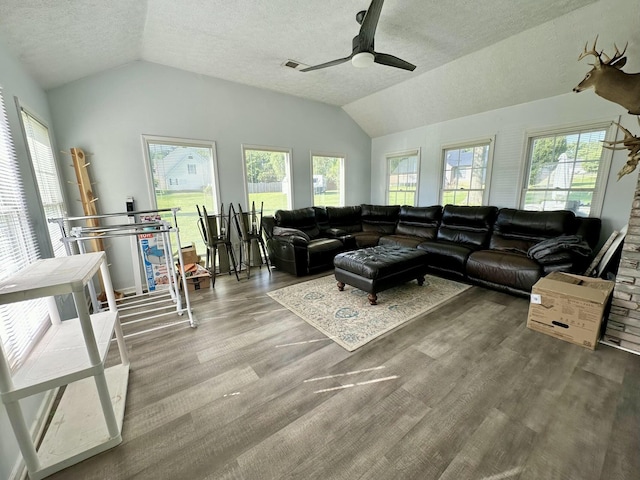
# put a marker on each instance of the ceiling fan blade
(327, 64)
(390, 60)
(369, 24)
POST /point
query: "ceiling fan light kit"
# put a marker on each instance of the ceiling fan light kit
(362, 59)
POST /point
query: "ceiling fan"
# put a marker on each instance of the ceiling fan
(363, 54)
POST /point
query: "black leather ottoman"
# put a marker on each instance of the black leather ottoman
(375, 269)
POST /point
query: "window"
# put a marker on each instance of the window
(566, 170)
(465, 172)
(402, 178)
(327, 180)
(183, 174)
(21, 324)
(268, 178)
(46, 173)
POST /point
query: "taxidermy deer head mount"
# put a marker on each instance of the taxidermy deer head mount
(629, 142)
(609, 81)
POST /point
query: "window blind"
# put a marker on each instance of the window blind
(22, 323)
(46, 173)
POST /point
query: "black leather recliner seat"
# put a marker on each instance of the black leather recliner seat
(462, 231)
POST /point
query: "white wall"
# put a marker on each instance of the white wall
(106, 115)
(16, 82)
(509, 126)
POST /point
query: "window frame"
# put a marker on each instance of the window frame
(57, 247)
(604, 170)
(180, 142)
(288, 169)
(490, 141)
(342, 159)
(409, 152)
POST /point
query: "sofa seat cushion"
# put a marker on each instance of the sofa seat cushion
(447, 255)
(510, 269)
(367, 239)
(401, 240)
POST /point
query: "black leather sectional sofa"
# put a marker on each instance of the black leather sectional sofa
(483, 245)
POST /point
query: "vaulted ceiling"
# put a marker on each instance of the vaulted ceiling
(247, 41)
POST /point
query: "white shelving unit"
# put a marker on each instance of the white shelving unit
(88, 419)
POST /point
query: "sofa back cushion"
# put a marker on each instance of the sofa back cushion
(303, 219)
(380, 218)
(519, 230)
(322, 219)
(419, 221)
(469, 225)
(589, 229)
(345, 218)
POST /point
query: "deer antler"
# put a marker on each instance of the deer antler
(593, 52)
(618, 53)
(629, 142)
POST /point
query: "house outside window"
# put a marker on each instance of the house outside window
(267, 173)
(402, 177)
(567, 170)
(191, 169)
(327, 180)
(465, 173)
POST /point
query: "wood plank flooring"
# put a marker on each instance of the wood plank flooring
(465, 392)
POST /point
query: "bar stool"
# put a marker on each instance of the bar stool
(216, 234)
(249, 228)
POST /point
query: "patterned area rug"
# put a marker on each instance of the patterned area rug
(348, 318)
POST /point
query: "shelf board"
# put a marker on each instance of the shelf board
(61, 355)
(51, 276)
(78, 429)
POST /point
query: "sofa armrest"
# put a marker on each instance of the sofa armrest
(292, 239)
(291, 235)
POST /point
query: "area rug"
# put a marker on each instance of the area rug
(348, 318)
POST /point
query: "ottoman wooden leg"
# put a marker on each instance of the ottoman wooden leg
(340, 286)
(373, 298)
(421, 280)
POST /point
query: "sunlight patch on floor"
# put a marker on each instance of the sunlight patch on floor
(358, 384)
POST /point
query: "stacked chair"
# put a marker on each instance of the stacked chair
(216, 234)
(249, 228)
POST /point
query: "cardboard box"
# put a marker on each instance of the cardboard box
(198, 278)
(569, 307)
(154, 261)
(199, 282)
(189, 255)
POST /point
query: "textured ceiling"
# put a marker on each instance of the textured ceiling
(246, 41)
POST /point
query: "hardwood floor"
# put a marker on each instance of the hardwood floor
(465, 392)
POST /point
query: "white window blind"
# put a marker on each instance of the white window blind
(21, 324)
(44, 168)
